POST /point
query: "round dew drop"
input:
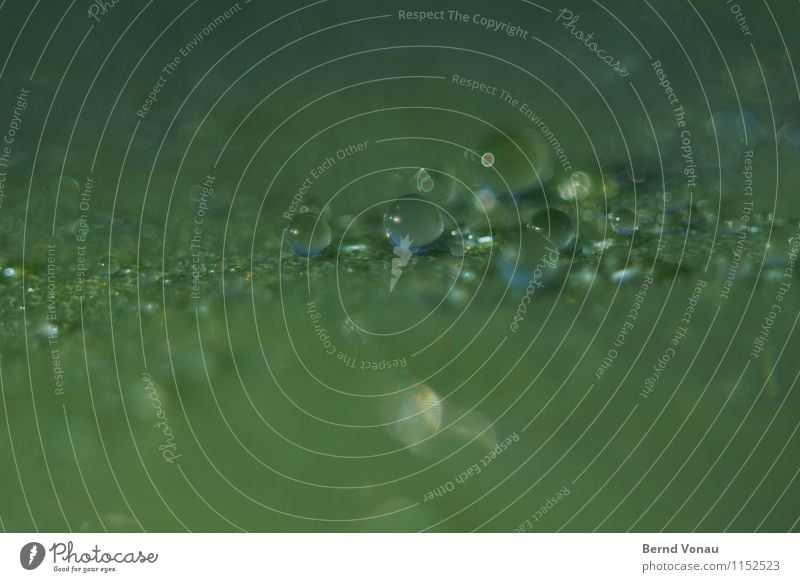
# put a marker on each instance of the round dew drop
(309, 235)
(555, 225)
(413, 223)
(423, 181)
(623, 221)
(576, 186)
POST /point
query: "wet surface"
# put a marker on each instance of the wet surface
(361, 271)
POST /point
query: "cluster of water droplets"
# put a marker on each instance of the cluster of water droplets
(507, 194)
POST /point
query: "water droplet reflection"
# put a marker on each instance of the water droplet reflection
(555, 225)
(623, 221)
(413, 222)
(422, 181)
(576, 186)
(309, 235)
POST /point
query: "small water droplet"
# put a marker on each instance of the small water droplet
(108, 267)
(555, 225)
(576, 186)
(309, 235)
(623, 221)
(414, 222)
(422, 181)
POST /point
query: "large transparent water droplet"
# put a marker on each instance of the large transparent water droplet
(555, 225)
(413, 223)
(309, 235)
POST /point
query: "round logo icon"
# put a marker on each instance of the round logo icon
(31, 555)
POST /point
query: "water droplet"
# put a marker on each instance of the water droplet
(623, 221)
(576, 186)
(422, 181)
(461, 241)
(555, 225)
(309, 235)
(779, 250)
(414, 222)
(108, 267)
(529, 259)
(518, 163)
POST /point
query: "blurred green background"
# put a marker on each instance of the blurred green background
(162, 369)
